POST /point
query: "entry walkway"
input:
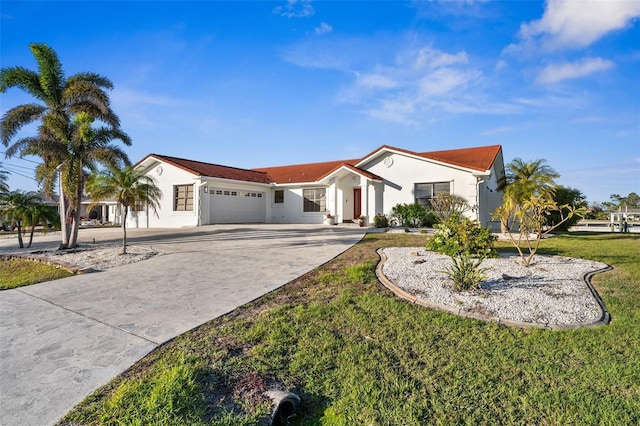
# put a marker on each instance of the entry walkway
(61, 340)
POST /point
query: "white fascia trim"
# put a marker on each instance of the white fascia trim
(206, 180)
(341, 168)
(299, 185)
(485, 174)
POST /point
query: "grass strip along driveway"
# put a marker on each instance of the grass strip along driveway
(358, 355)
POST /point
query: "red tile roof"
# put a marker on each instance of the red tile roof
(478, 158)
(303, 173)
(199, 168)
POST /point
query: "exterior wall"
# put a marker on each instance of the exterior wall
(404, 172)
(291, 211)
(168, 218)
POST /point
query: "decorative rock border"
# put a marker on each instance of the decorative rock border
(74, 269)
(604, 319)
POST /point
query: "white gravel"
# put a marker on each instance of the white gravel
(98, 257)
(550, 292)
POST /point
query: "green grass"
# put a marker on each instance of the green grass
(359, 356)
(20, 272)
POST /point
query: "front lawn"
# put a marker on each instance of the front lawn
(20, 272)
(357, 355)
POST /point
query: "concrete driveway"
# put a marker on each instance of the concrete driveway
(61, 340)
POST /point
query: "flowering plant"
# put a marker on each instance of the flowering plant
(328, 216)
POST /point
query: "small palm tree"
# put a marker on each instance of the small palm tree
(14, 207)
(129, 187)
(526, 178)
(40, 214)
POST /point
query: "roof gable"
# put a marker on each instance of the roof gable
(478, 158)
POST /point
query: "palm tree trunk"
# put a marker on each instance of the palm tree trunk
(65, 224)
(20, 242)
(33, 229)
(73, 242)
(124, 230)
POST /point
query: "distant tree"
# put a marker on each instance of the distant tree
(596, 212)
(40, 214)
(129, 187)
(14, 208)
(564, 196)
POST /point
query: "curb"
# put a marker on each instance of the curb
(604, 319)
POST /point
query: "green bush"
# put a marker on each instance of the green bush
(461, 235)
(466, 272)
(412, 215)
(380, 221)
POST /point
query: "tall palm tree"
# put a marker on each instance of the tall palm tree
(89, 146)
(129, 187)
(59, 99)
(14, 207)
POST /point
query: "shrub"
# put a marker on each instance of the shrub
(412, 215)
(465, 272)
(461, 235)
(380, 221)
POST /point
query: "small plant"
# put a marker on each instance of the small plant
(408, 215)
(465, 272)
(459, 235)
(380, 221)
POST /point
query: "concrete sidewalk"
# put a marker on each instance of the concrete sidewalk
(61, 340)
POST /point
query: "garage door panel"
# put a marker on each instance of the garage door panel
(234, 206)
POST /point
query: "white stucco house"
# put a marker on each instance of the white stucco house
(198, 193)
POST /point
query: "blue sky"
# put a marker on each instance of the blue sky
(255, 84)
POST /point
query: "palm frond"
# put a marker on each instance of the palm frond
(16, 118)
(50, 72)
(22, 78)
(91, 77)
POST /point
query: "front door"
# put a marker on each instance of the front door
(357, 202)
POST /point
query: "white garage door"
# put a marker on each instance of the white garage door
(234, 206)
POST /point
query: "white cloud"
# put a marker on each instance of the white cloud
(557, 72)
(376, 81)
(577, 24)
(295, 9)
(428, 57)
(323, 28)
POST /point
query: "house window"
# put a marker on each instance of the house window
(278, 195)
(315, 200)
(139, 206)
(183, 198)
(425, 192)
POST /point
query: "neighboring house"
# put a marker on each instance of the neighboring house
(198, 193)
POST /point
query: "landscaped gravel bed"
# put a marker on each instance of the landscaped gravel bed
(98, 257)
(551, 291)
